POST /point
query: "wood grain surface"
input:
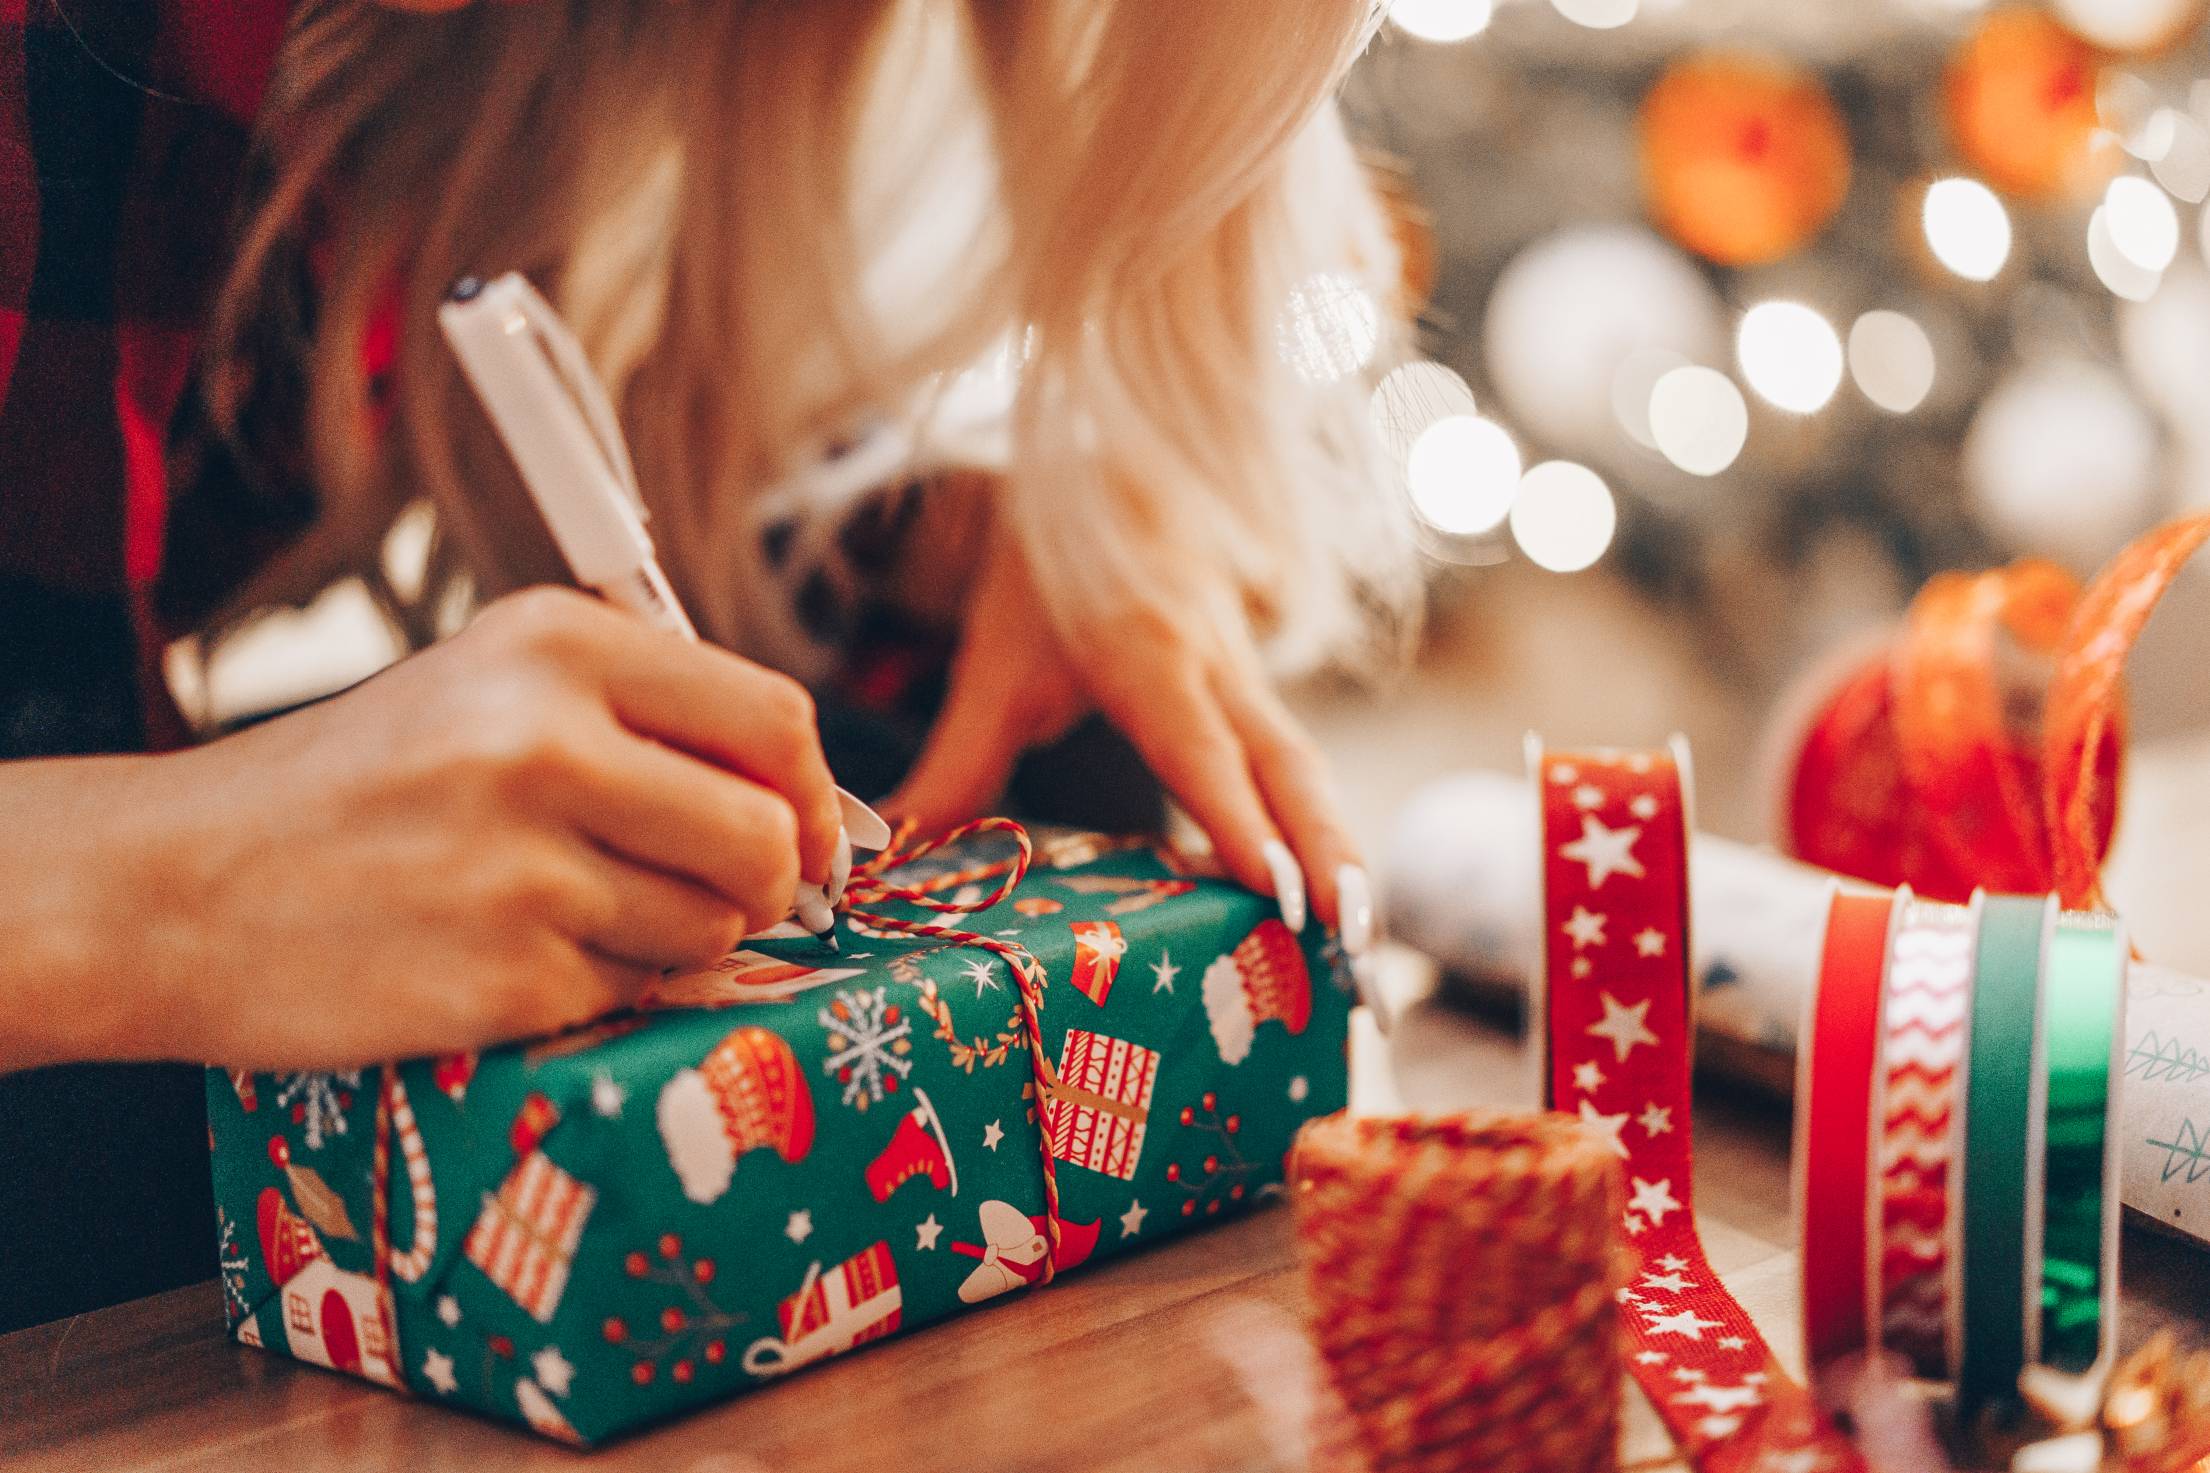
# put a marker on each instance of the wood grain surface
(1188, 1358)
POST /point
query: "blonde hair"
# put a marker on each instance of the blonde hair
(714, 193)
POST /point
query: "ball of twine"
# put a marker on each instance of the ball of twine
(1461, 1275)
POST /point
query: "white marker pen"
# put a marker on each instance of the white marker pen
(554, 416)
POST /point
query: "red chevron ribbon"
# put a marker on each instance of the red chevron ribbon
(1929, 995)
(1616, 993)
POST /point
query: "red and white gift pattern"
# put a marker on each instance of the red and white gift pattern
(1098, 948)
(1929, 994)
(1615, 884)
(525, 1238)
(1099, 1103)
(857, 1301)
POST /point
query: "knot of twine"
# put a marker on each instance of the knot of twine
(870, 886)
(1462, 1274)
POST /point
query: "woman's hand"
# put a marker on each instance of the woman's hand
(1193, 701)
(505, 835)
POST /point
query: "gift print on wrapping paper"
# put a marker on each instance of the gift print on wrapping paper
(1098, 1104)
(1098, 948)
(857, 1301)
(525, 1238)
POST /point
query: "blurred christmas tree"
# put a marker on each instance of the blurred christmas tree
(1777, 308)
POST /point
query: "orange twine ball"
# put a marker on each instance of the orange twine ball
(2020, 102)
(1461, 1275)
(1744, 158)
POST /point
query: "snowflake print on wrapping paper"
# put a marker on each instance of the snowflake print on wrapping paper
(231, 1259)
(870, 1042)
(318, 1102)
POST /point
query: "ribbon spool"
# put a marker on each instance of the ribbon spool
(1835, 1151)
(1984, 746)
(1461, 1273)
(2006, 1092)
(1987, 1176)
(1615, 1037)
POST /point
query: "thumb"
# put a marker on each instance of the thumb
(988, 719)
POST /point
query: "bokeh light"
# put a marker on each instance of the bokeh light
(1330, 327)
(1412, 396)
(1564, 516)
(1699, 419)
(1463, 473)
(1441, 20)
(2115, 269)
(1892, 360)
(2062, 460)
(1790, 355)
(2143, 225)
(2127, 25)
(1967, 228)
(1631, 386)
(1598, 15)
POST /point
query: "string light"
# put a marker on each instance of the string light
(1442, 20)
(1598, 15)
(1967, 228)
(1790, 355)
(2143, 226)
(2126, 25)
(1330, 327)
(1699, 419)
(1463, 473)
(1564, 516)
(1892, 360)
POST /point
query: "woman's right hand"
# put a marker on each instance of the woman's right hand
(505, 835)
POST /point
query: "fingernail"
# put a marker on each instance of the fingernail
(813, 910)
(864, 824)
(840, 867)
(1289, 883)
(1354, 899)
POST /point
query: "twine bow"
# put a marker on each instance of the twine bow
(871, 886)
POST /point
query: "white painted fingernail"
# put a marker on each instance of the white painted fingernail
(1289, 882)
(813, 909)
(867, 827)
(1354, 902)
(840, 866)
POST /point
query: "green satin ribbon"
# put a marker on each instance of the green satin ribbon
(2085, 991)
(2002, 1148)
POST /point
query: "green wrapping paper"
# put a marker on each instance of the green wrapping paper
(785, 1157)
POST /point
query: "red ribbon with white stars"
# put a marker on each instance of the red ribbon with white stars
(1617, 1000)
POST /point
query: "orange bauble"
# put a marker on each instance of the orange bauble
(1744, 158)
(2021, 103)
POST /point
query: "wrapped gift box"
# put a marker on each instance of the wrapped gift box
(786, 1156)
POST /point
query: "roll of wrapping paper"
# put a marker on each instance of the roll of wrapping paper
(1461, 1275)
(2004, 1152)
(1615, 1040)
(1835, 1159)
(1920, 1112)
(2085, 1008)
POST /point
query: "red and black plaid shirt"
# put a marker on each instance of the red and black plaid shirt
(124, 127)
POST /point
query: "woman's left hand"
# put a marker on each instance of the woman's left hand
(1192, 700)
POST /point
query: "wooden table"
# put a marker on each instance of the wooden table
(1188, 1358)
